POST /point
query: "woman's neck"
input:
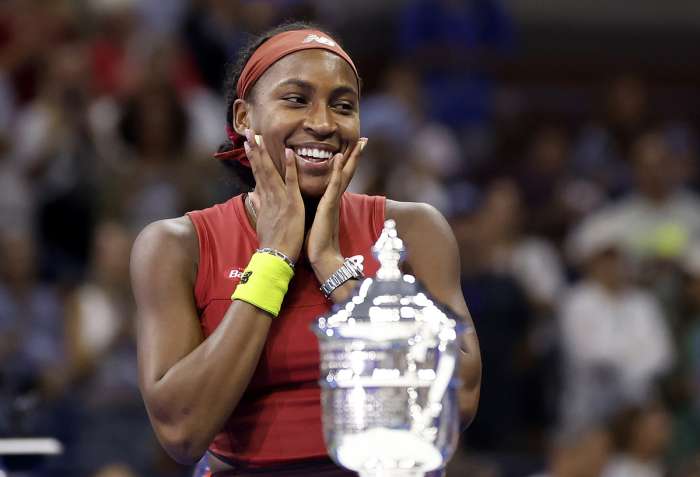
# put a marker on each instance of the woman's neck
(310, 207)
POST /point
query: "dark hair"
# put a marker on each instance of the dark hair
(245, 174)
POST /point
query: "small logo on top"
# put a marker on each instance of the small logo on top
(319, 39)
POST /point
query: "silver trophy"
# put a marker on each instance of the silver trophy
(389, 367)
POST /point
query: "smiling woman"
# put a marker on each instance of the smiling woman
(227, 363)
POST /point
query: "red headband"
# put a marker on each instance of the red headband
(272, 50)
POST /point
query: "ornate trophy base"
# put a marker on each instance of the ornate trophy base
(403, 453)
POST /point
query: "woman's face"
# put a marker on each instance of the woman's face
(307, 101)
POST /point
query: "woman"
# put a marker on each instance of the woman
(237, 375)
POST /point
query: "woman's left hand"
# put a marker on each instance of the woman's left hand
(322, 244)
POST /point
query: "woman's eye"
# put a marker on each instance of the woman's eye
(344, 106)
(295, 99)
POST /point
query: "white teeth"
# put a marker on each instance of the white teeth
(314, 153)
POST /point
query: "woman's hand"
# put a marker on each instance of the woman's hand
(322, 244)
(278, 203)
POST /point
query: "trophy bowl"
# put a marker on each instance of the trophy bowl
(389, 367)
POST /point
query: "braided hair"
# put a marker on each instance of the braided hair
(243, 173)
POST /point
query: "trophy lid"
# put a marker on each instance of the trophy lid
(393, 305)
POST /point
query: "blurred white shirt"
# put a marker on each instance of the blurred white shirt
(614, 347)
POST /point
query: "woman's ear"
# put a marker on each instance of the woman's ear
(241, 120)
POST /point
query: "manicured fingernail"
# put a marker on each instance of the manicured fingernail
(363, 144)
(288, 153)
(248, 135)
(246, 146)
(258, 139)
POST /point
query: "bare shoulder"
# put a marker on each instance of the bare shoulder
(170, 242)
(421, 222)
(433, 254)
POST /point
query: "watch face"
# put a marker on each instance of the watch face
(355, 271)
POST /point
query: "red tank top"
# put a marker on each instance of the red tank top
(278, 420)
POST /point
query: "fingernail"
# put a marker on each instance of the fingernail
(248, 135)
(246, 146)
(258, 139)
(363, 144)
(288, 153)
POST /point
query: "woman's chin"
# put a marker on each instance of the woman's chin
(313, 189)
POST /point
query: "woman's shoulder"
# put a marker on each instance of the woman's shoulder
(178, 230)
(174, 241)
(416, 215)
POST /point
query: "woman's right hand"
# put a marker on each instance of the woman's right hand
(277, 202)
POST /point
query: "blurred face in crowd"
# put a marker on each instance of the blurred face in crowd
(656, 166)
(307, 99)
(606, 267)
(501, 214)
(549, 151)
(586, 457)
(111, 253)
(651, 433)
(17, 260)
(627, 101)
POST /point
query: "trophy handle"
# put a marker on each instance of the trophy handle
(443, 376)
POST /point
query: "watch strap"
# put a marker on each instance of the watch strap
(348, 271)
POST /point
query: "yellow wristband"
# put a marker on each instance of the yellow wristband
(264, 282)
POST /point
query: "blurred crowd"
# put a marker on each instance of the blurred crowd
(579, 235)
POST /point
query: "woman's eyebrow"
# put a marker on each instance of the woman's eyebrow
(297, 82)
(308, 86)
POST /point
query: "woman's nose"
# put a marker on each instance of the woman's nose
(320, 121)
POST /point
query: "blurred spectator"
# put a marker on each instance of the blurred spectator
(163, 181)
(411, 158)
(32, 355)
(101, 344)
(604, 146)
(615, 338)
(215, 29)
(553, 198)
(684, 387)
(53, 145)
(126, 49)
(390, 118)
(653, 225)
(509, 417)
(531, 260)
(17, 207)
(27, 27)
(641, 437)
(579, 454)
(454, 44)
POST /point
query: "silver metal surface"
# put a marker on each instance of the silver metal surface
(389, 373)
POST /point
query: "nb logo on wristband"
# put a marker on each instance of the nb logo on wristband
(245, 278)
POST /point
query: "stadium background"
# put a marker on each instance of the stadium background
(560, 139)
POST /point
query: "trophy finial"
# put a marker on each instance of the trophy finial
(389, 252)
